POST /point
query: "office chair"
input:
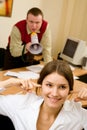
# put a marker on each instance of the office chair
(6, 123)
(2, 54)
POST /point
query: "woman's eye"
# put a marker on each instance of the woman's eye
(49, 85)
(62, 87)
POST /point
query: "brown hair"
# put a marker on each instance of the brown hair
(59, 66)
(35, 11)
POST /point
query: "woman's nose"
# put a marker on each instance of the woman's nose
(55, 91)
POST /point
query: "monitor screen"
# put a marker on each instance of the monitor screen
(73, 51)
(70, 48)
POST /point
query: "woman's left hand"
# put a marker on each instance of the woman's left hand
(82, 95)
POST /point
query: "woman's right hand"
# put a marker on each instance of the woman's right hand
(25, 84)
(29, 85)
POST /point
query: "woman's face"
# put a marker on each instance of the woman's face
(55, 89)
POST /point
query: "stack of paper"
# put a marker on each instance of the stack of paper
(23, 74)
(35, 68)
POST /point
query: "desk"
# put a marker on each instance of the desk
(78, 84)
(13, 90)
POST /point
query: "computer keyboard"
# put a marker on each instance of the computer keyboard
(83, 78)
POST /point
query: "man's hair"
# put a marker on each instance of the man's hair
(35, 11)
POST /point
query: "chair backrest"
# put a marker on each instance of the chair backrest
(6, 123)
(2, 54)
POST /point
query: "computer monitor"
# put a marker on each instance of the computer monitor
(74, 50)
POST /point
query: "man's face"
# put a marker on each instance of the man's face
(34, 22)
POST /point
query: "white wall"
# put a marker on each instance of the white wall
(52, 10)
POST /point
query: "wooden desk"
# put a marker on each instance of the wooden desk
(13, 90)
(79, 71)
(78, 84)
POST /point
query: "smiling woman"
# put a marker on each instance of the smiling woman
(6, 7)
(51, 110)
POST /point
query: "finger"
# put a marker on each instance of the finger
(73, 92)
(24, 84)
(36, 85)
(30, 84)
(83, 93)
(77, 99)
(33, 83)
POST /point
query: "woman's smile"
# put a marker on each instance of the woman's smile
(54, 99)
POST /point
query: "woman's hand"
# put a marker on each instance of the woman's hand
(12, 82)
(29, 85)
(25, 84)
(82, 95)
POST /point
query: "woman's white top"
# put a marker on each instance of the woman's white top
(23, 110)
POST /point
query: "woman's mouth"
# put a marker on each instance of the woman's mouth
(55, 100)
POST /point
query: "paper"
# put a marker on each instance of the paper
(11, 73)
(28, 75)
(72, 67)
(76, 77)
(35, 68)
(23, 74)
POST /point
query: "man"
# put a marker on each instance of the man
(17, 53)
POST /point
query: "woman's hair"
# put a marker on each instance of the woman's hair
(35, 11)
(59, 66)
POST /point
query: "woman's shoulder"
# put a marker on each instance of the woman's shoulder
(72, 105)
(20, 99)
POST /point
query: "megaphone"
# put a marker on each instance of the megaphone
(35, 47)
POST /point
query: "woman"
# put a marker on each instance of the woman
(51, 110)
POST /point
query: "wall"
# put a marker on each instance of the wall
(66, 18)
(52, 12)
(73, 22)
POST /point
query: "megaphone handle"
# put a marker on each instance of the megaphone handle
(23, 53)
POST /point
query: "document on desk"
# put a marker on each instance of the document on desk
(28, 75)
(23, 74)
(35, 68)
(76, 77)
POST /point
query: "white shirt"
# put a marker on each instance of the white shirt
(24, 110)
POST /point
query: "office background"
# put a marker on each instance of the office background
(67, 18)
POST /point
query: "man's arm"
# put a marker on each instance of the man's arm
(47, 45)
(16, 46)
